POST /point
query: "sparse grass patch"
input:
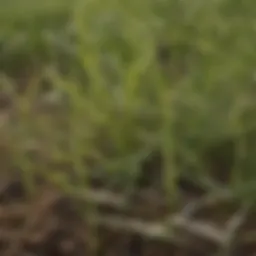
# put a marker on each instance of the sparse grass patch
(98, 87)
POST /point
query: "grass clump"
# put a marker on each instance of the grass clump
(100, 85)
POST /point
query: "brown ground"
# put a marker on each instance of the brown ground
(50, 224)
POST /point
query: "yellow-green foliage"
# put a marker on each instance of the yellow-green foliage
(121, 100)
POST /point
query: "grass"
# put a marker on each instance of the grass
(128, 79)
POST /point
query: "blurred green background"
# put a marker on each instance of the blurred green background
(95, 87)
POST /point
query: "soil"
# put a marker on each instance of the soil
(50, 223)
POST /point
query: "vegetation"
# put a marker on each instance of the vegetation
(91, 90)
